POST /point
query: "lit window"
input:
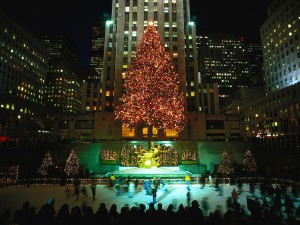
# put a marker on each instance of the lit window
(171, 133)
(127, 132)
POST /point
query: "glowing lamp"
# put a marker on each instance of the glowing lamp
(151, 23)
(148, 162)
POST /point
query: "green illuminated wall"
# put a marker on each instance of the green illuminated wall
(209, 153)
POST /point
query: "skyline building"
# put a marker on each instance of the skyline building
(280, 36)
(129, 19)
(123, 33)
(23, 68)
(255, 62)
(97, 50)
(63, 85)
(228, 61)
(274, 118)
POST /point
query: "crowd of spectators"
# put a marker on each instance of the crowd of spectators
(266, 213)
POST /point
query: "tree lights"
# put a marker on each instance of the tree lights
(47, 161)
(226, 167)
(72, 164)
(249, 163)
(151, 94)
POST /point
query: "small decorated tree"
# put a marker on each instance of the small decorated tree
(226, 167)
(72, 164)
(47, 161)
(250, 166)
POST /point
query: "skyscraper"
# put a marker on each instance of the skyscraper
(280, 35)
(222, 60)
(123, 33)
(274, 118)
(255, 61)
(63, 91)
(129, 19)
(97, 49)
(23, 67)
(230, 62)
(91, 85)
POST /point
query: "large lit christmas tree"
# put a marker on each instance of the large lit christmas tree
(151, 93)
(250, 166)
(47, 161)
(72, 164)
(226, 167)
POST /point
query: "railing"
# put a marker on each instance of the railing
(11, 183)
(48, 181)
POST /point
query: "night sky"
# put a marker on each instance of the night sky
(243, 18)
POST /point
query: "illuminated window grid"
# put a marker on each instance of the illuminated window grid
(171, 133)
(127, 132)
(154, 132)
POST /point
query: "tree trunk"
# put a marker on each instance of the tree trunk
(150, 133)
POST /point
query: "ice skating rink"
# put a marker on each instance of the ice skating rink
(13, 198)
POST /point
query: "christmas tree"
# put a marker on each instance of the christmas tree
(72, 164)
(249, 163)
(226, 167)
(47, 161)
(151, 93)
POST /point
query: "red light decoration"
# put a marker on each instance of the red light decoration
(151, 96)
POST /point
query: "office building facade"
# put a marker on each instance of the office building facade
(230, 62)
(280, 35)
(63, 85)
(97, 50)
(23, 68)
(171, 19)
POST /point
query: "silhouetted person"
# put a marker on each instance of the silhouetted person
(181, 216)
(154, 194)
(83, 191)
(147, 187)
(252, 187)
(202, 180)
(289, 205)
(76, 183)
(205, 206)
(4, 218)
(188, 197)
(170, 215)
(195, 214)
(88, 216)
(142, 214)
(151, 214)
(123, 216)
(112, 180)
(234, 195)
(161, 213)
(114, 215)
(76, 216)
(93, 188)
(46, 214)
(102, 214)
(63, 215)
(21, 214)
